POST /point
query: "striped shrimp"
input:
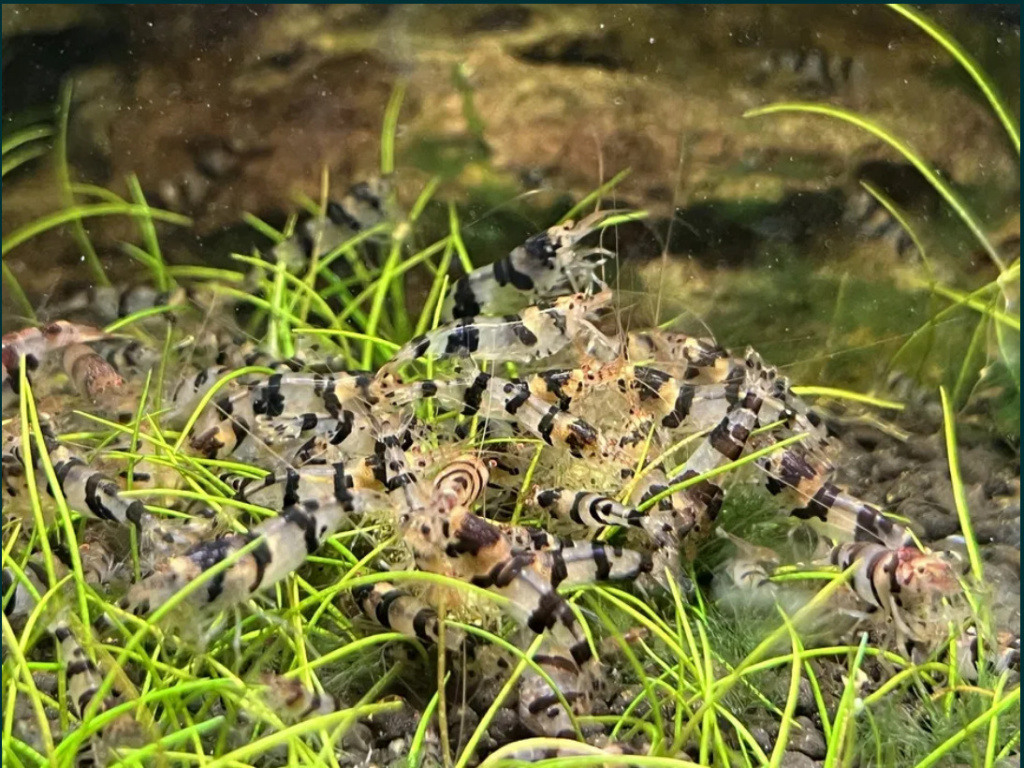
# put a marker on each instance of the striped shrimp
(286, 406)
(810, 69)
(492, 397)
(19, 599)
(906, 585)
(108, 303)
(536, 333)
(686, 513)
(277, 546)
(395, 609)
(86, 491)
(547, 265)
(750, 567)
(361, 208)
(973, 657)
(83, 684)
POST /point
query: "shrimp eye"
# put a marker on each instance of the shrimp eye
(53, 329)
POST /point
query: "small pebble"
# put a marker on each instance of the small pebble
(807, 739)
(791, 759)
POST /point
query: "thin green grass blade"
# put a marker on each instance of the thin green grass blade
(18, 293)
(986, 308)
(455, 228)
(78, 232)
(974, 360)
(965, 60)
(390, 129)
(144, 221)
(792, 695)
(845, 394)
(143, 314)
(26, 135)
(959, 496)
(844, 722)
(100, 193)
(12, 647)
(26, 154)
(595, 197)
(79, 212)
(978, 723)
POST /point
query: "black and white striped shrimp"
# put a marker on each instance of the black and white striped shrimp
(319, 483)
(86, 491)
(18, 598)
(282, 543)
(191, 389)
(587, 508)
(527, 538)
(540, 708)
(1002, 653)
(537, 754)
(810, 68)
(394, 608)
(292, 701)
(262, 440)
(492, 397)
(905, 584)
(693, 359)
(547, 265)
(872, 221)
(84, 680)
(751, 566)
(536, 333)
(292, 395)
(83, 676)
(128, 357)
(106, 303)
(665, 524)
(834, 512)
(288, 405)
(362, 207)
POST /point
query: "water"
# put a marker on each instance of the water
(236, 109)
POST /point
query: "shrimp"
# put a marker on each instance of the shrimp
(547, 265)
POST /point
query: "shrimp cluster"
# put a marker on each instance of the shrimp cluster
(468, 487)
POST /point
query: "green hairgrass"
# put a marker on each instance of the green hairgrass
(25, 145)
(78, 232)
(80, 212)
(959, 495)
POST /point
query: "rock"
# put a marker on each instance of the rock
(921, 448)
(807, 739)
(805, 703)
(764, 741)
(791, 759)
(934, 523)
(889, 467)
